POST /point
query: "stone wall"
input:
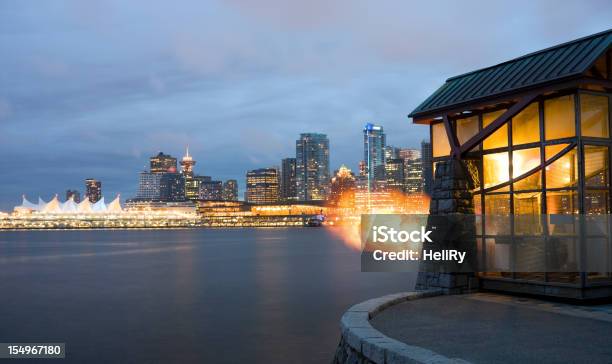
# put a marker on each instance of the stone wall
(451, 195)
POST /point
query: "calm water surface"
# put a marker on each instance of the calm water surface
(212, 296)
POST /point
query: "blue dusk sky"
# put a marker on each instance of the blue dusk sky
(93, 88)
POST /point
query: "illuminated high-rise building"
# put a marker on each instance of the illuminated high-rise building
(288, 181)
(230, 190)
(394, 169)
(93, 190)
(75, 195)
(342, 191)
(262, 186)
(391, 152)
(374, 141)
(363, 170)
(163, 163)
(172, 187)
(192, 184)
(211, 190)
(312, 166)
(413, 170)
(149, 186)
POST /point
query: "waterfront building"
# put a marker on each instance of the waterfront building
(413, 170)
(163, 163)
(343, 185)
(427, 166)
(532, 137)
(394, 170)
(93, 190)
(211, 190)
(374, 153)
(230, 190)
(262, 186)
(74, 195)
(149, 186)
(172, 187)
(362, 168)
(288, 181)
(312, 167)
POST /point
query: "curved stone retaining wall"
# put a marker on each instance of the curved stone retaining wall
(360, 343)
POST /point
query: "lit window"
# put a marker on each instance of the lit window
(594, 115)
(441, 147)
(496, 169)
(559, 117)
(467, 128)
(498, 139)
(564, 171)
(526, 125)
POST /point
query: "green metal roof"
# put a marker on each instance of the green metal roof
(556, 63)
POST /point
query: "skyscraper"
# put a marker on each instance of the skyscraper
(163, 163)
(172, 187)
(342, 192)
(374, 153)
(93, 190)
(394, 169)
(427, 165)
(149, 186)
(288, 183)
(230, 190)
(262, 186)
(312, 166)
(74, 194)
(413, 170)
(391, 152)
(192, 184)
(211, 190)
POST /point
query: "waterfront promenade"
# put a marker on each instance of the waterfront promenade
(480, 328)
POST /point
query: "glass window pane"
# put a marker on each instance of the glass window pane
(596, 166)
(559, 117)
(527, 203)
(495, 169)
(594, 115)
(477, 204)
(524, 160)
(526, 125)
(532, 182)
(467, 128)
(552, 150)
(562, 202)
(500, 137)
(564, 171)
(497, 205)
(596, 202)
(441, 147)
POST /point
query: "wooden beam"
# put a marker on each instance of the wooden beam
(452, 137)
(497, 123)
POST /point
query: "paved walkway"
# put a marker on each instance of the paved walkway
(490, 328)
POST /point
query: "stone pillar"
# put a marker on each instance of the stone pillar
(451, 198)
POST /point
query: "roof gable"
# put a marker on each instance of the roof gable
(551, 64)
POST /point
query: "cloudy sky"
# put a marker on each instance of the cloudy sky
(93, 88)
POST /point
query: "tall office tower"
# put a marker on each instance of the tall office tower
(149, 186)
(230, 190)
(413, 170)
(262, 186)
(342, 191)
(363, 170)
(163, 163)
(74, 194)
(211, 190)
(192, 184)
(374, 153)
(394, 169)
(172, 187)
(288, 187)
(391, 152)
(93, 190)
(427, 165)
(312, 166)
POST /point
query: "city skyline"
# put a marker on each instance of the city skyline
(105, 97)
